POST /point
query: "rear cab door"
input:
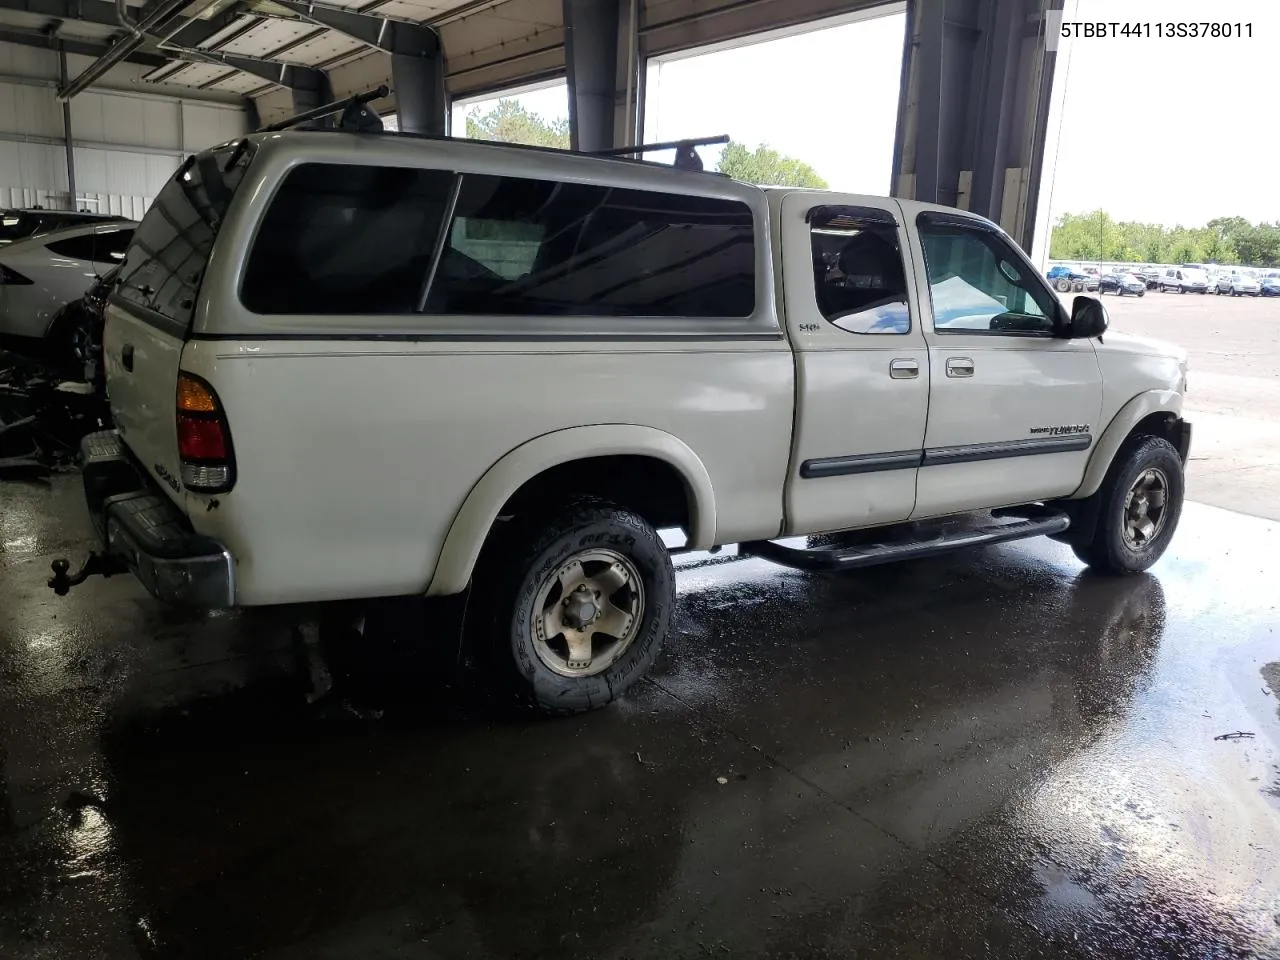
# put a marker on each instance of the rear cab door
(150, 311)
(862, 369)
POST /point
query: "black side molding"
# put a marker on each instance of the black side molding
(865, 463)
(969, 452)
(939, 456)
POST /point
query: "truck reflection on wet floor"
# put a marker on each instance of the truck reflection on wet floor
(402, 807)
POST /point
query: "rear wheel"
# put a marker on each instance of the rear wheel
(1139, 504)
(583, 603)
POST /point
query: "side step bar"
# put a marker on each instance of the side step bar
(1003, 526)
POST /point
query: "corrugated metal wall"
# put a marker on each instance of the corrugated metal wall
(126, 143)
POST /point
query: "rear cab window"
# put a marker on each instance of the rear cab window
(165, 262)
(858, 274)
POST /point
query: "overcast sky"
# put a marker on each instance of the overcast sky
(1171, 131)
(1167, 131)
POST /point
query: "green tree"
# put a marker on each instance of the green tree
(768, 167)
(1228, 240)
(511, 122)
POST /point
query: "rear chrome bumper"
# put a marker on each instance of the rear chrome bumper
(142, 527)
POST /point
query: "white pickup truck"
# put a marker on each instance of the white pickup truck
(362, 365)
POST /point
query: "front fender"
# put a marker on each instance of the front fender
(1133, 412)
(475, 519)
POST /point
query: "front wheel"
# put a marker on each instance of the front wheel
(1142, 293)
(1063, 285)
(1140, 502)
(584, 602)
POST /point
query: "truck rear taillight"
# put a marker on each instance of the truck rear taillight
(204, 439)
(12, 277)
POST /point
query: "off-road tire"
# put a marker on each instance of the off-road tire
(1106, 550)
(533, 551)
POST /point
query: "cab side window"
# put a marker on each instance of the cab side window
(978, 283)
(858, 276)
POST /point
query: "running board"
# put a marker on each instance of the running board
(1017, 524)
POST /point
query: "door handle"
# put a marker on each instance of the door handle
(959, 367)
(126, 356)
(904, 368)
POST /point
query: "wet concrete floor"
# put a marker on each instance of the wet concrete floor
(989, 754)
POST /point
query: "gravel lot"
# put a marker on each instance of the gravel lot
(1233, 394)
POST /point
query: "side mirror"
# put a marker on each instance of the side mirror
(1088, 319)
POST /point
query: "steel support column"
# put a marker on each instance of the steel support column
(417, 76)
(419, 90)
(974, 106)
(310, 88)
(66, 131)
(597, 37)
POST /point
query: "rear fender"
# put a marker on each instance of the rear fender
(479, 511)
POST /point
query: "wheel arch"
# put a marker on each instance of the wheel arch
(1152, 413)
(538, 457)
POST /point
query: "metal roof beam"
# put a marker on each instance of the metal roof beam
(84, 48)
(88, 11)
(393, 36)
(287, 75)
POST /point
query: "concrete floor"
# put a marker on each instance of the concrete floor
(992, 754)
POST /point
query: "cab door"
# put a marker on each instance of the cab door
(1014, 407)
(862, 366)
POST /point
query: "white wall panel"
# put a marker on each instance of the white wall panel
(29, 110)
(203, 125)
(31, 171)
(17, 60)
(121, 172)
(127, 140)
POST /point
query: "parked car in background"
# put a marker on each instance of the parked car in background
(80, 325)
(1150, 276)
(18, 225)
(39, 276)
(1184, 280)
(1121, 283)
(1064, 278)
(1269, 286)
(1238, 285)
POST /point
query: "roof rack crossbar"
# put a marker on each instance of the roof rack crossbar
(686, 156)
(328, 109)
(651, 147)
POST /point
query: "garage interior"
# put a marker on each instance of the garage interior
(1034, 762)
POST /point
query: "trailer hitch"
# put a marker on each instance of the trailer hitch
(104, 564)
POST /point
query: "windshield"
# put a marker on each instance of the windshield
(165, 263)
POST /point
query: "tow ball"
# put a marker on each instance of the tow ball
(103, 564)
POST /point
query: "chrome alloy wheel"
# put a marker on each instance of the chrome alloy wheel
(587, 613)
(1145, 509)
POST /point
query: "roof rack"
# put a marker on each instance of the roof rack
(686, 157)
(356, 114)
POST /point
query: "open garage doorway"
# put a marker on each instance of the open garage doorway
(534, 114)
(815, 105)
